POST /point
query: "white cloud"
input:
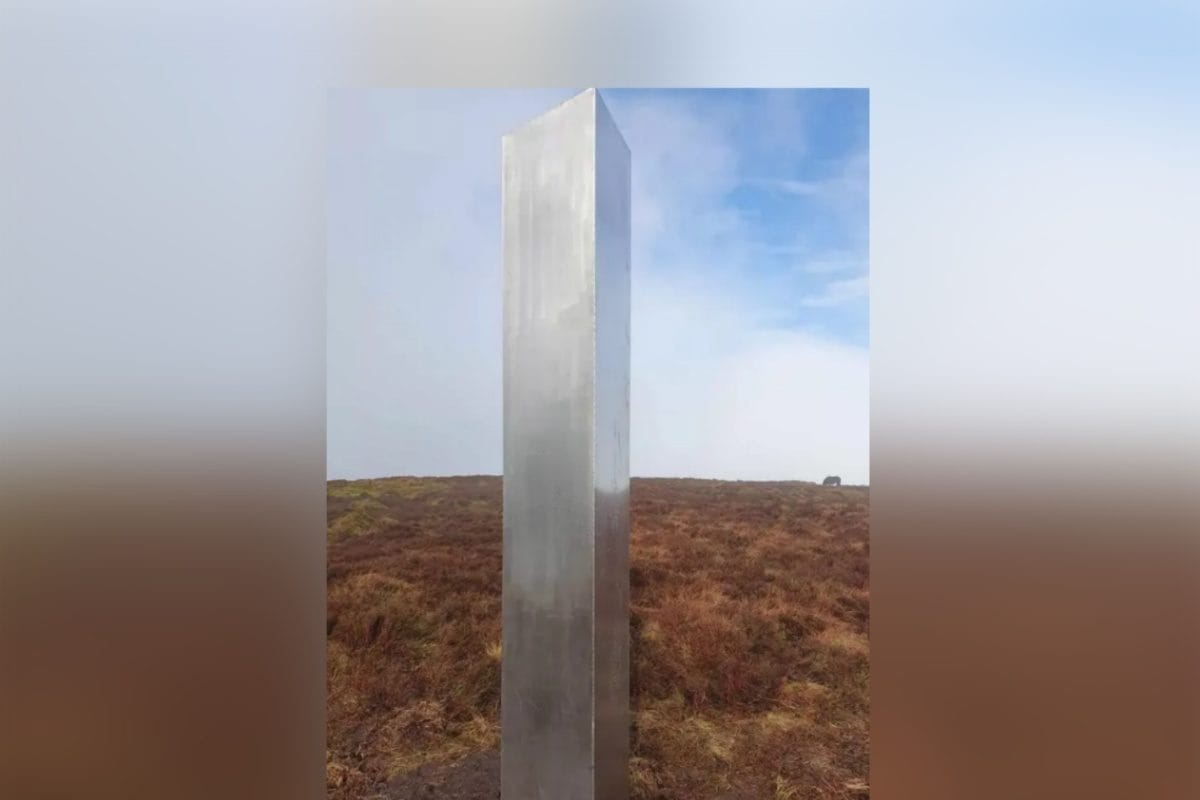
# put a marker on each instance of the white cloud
(837, 293)
(832, 264)
(414, 378)
(715, 394)
(802, 188)
(718, 390)
(844, 192)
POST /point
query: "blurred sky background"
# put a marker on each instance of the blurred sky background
(750, 301)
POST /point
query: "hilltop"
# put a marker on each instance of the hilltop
(749, 619)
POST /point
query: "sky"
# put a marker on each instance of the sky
(749, 281)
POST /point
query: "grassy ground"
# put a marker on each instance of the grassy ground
(749, 635)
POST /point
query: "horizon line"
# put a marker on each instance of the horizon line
(631, 477)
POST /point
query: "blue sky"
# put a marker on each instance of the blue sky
(793, 182)
(750, 280)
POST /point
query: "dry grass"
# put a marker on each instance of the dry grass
(749, 631)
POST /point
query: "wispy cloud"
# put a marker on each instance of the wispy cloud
(809, 260)
(831, 266)
(722, 371)
(849, 180)
(829, 262)
(837, 293)
(801, 188)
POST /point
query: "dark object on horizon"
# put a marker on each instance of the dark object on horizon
(832, 480)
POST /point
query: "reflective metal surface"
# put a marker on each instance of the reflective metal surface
(566, 247)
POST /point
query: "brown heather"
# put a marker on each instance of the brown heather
(749, 635)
